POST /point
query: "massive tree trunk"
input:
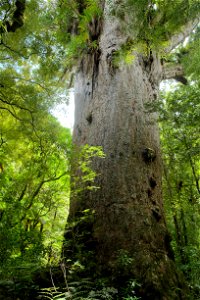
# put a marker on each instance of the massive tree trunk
(127, 235)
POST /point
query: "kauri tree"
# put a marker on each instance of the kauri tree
(121, 49)
(117, 231)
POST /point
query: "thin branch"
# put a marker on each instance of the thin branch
(52, 281)
(22, 193)
(35, 194)
(13, 114)
(39, 188)
(179, 37)
(16, 105)
(15, 51)
(2, 140)
(32, 82)
(55, 178)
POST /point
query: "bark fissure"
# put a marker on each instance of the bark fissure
(96, 58)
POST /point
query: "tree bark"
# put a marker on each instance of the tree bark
(127, 234)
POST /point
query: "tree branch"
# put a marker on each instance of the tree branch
(12, 104)
(36, 192)
(174, 71)
(55, 178)
(13, 114)
(178, 38)
(12, 50)
(22, 193)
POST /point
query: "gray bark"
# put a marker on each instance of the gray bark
(129, 219)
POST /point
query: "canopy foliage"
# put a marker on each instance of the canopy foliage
(34, 148)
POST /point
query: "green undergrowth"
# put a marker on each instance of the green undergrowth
(87, 290)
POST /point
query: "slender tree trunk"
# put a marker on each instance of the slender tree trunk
(127, 235)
